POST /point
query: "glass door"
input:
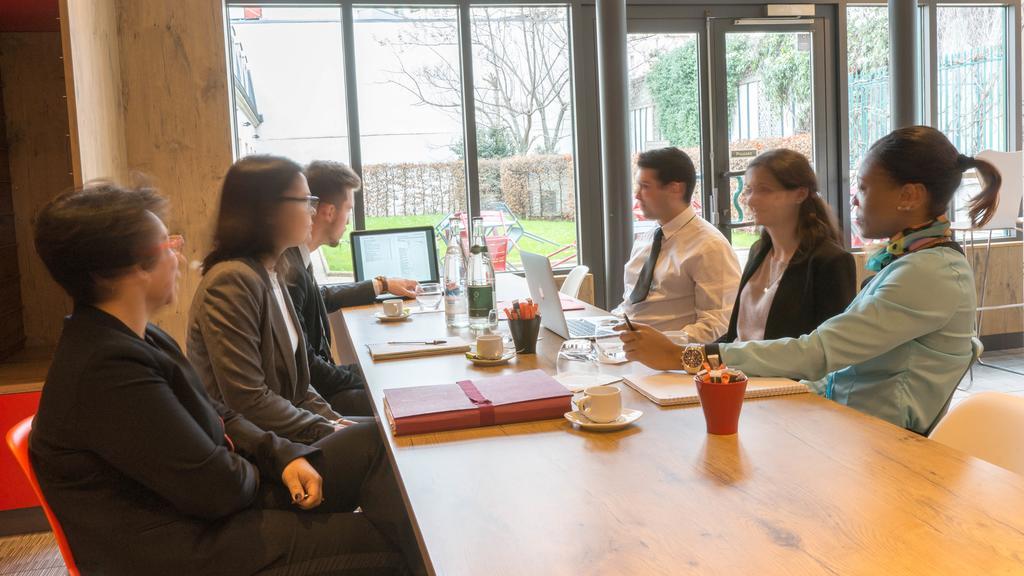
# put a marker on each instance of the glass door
(667, 62)
(767, 91)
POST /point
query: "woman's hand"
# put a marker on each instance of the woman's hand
(650, 347)
(303, 483)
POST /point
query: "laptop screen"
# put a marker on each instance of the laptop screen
(395, 253)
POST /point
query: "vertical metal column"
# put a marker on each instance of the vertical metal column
(355, 151)
(469, 111)
(613, 90)
(903, 69)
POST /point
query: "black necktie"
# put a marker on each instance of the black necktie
(643, 282)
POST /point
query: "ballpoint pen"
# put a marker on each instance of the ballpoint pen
(629, 324)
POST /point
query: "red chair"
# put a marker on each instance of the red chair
(17, 440)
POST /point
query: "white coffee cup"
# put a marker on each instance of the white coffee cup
(394, 307)
(600, 403)
(490, 346)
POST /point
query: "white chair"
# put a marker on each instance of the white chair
(573, 281)
(1007, 217)
(987, 425)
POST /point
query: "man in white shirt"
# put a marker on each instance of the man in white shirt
(682, 277)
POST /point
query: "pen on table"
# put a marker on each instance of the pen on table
(629, 324)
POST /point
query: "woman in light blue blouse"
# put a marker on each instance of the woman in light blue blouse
(900, 348)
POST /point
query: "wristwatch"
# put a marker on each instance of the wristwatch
(693, 358)
(383, 284)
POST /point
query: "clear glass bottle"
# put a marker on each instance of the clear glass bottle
(456, 306)
(480, 280)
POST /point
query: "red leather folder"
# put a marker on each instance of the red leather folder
(519, 397)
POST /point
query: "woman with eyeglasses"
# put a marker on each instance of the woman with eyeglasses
(145, 472)
(247, 345)
(899, 349)
(244, 337)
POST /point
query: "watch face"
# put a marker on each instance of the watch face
(693, 357)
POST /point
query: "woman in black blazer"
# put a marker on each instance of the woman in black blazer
(798, 274)
(145, 472)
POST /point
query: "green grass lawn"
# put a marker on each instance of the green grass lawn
(561, 232)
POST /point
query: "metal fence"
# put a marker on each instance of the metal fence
(971, 103)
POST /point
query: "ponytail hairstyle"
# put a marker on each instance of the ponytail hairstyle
(816, 223)
(923, 155)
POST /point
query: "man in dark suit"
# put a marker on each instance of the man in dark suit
(342, 385)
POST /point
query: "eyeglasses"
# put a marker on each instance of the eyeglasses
(175, 242)
(312, 201)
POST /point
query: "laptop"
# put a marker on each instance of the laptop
(544, 292)
(395, 253)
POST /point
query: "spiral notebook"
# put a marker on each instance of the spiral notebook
(677, 388)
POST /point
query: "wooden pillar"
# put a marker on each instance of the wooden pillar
(150, 89)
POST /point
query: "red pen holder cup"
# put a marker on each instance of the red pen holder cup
(721, 402)
(524, 334)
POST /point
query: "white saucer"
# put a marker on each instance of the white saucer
(406, 313)
(627, 417)
(508, 355)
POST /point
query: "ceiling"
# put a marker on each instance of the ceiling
(29, 16)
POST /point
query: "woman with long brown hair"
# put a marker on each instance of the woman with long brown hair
(798, 274)
(247, 345)
(902, 345)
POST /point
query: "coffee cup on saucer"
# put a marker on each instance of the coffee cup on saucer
(394, 307)
(490, 346)
(600, 403)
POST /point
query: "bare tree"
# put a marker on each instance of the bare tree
(521, 68)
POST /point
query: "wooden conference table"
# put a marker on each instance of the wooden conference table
(806, 487)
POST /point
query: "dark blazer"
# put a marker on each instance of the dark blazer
(239, 345)
(131, 454)
(814, 288)
(312, 305)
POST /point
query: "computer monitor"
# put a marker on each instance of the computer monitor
(395, 253)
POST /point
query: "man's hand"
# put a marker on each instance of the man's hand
(650, 347)
(303, 483)
(402, 287)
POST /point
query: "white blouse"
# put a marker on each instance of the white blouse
(756, 299)
(293, 335)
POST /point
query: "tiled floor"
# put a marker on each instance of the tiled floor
(37, 554)
(991, 379)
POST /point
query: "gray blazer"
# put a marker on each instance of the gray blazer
(239, 345)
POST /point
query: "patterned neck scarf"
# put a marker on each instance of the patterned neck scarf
(911, 240)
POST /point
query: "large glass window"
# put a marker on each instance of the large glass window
(410, 117)
(664, 103)
(289, 71)
(971, 84)
(289, 82)
(522, 69)
(867, 64)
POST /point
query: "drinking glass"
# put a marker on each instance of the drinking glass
(428, 296)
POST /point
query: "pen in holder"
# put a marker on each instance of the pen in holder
(524, 334)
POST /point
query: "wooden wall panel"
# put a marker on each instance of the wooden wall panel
(92, 64)
(40, 164)
(177, 123)
(1005, 284)
(12, 334)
